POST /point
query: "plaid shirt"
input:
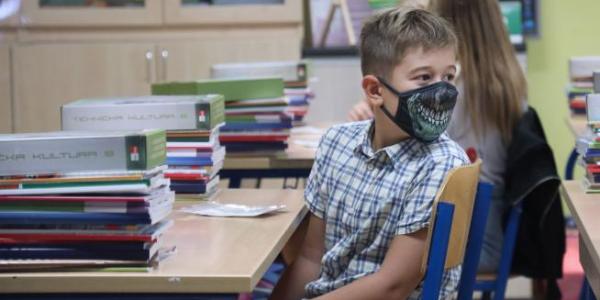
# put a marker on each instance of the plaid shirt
(366, 198)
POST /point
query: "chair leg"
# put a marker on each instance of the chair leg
(586, 291)
(571, 164)
(486, 296)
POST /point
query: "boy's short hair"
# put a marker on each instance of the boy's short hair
(386, 36)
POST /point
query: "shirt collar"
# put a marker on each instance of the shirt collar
(395, 153)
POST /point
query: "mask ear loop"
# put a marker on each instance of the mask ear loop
(389, 86)
(393, 90)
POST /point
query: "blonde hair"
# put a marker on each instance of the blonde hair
(494, 84)
(387, 36)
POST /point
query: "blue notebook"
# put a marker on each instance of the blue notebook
(37, 217)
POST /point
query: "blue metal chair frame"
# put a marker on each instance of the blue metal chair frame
(439, 242)
(442, 226)
(469, 282)
(481, 210)
(571, 164)
(586, 291)
(498, 285)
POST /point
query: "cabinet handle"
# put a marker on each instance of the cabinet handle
(164, 56)
(149, 55)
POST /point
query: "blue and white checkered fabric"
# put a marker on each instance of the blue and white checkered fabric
(366, 198)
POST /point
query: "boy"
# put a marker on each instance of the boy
(371, 189)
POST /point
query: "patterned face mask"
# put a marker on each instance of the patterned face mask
(424, 113)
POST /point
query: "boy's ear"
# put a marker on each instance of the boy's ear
(372, 89)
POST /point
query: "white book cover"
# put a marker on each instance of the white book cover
(289, 71)
(132, 113)
(592, 103)
(583, 67)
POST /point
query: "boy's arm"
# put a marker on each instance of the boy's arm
(306, 266)
(398, 276)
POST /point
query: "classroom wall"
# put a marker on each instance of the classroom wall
(568, 28)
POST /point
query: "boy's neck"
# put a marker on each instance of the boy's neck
(386, 132)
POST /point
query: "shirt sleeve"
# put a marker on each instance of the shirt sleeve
(418, 205)
(316, 191)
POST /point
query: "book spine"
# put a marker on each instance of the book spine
(156, 143)
(210, 114)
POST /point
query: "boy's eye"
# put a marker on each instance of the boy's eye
(449, 77)
(424, 77)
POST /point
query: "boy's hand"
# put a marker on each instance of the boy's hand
(360, 111)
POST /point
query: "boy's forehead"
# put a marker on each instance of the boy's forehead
(437, 58)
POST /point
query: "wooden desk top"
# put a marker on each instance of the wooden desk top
(577, 125)
(297, 156)
(586, 211)
(214, 255)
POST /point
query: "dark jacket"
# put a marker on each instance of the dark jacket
(531, 177)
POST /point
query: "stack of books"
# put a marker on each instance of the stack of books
(588, 145)
(194, 154)
(295, 76)
(581, 74)
(257, 114)
(83, 200)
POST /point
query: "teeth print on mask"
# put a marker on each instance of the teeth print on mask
(424, 113)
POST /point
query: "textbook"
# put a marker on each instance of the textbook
(125, 187)
(134, 113)
(69, 265)
(231, 89)
(80, 151)
(198, 188)
(196, 160)
(581, 68)
(93, 250)
(152, 216)
(51, 233)
(289, 71)
(593, 108)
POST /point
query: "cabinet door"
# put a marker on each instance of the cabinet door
(223, 12)
(50, 75)
(91, 12)
(192, 60)
(5, 90)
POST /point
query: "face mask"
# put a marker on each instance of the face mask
(424, 113)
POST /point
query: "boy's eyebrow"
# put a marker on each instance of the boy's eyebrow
(428, 68)
(421, 68)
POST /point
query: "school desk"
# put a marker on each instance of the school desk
(577, 125)
(295, 162)
(214, 255)
(586, 212)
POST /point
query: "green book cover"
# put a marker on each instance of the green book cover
(81, 184)
(42, 206)
(231, 89)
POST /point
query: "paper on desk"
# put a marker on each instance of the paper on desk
(307, 143)
(307, 130)
(216, 209)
